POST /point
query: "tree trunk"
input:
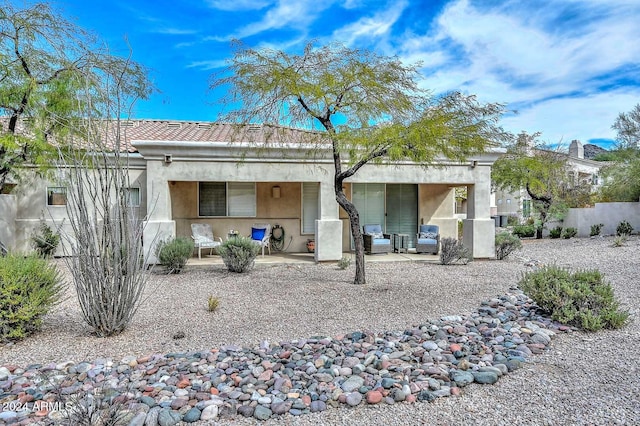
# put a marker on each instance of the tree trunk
(354, 221)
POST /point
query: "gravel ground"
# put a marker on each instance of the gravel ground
(582, 379)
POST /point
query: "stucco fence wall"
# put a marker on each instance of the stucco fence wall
(610, 214)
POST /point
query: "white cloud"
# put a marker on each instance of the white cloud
(377, 25)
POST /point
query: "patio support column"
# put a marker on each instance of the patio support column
(329, 226)
(158, 225)
(8, 216)
(479, 229)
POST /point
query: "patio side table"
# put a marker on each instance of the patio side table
(400, 243)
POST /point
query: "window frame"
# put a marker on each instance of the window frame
(50, 191)
(227, 199)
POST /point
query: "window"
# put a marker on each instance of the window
(227, 199)
(499, 201)
(310, 192)
(526, 208)
(132, 196)
(508, 200)
(56, 196)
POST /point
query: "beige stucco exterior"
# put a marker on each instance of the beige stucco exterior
(168, 172)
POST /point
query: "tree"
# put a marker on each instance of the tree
(622, 176)
(543, 173)
(367, 108)
(44, 60)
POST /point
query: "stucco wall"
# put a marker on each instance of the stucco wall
(610, 214)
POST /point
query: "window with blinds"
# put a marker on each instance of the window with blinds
(236, 199)
(310, 192)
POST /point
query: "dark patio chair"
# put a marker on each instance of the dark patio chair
(428, 239)
(375, 241)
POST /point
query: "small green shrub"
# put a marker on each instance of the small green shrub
(596, 229)
(46, 241)
(523, 231)
(174, 254)
(344, 263)
(512, 220)
(29, 287)
(213, 303)
(505, 244)
(239, 254)
(582, 299)
(624, 228)
(452, 251)
(569, 233)
(619, 241)
(555, 232)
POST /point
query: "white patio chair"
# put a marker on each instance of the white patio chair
(261, 235)
(203, 238)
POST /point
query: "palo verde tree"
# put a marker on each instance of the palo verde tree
(368, 108)
(543, 173)
(44, 61)
(622, 175)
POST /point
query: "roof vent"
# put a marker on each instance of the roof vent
(174, 125)
(254, 127)
(127, 123)
(204, 125)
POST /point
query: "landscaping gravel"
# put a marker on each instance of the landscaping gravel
(581, 379)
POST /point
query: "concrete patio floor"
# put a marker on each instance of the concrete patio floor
(285, 258)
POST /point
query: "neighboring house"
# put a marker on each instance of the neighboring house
(194, 172)
(581, 170)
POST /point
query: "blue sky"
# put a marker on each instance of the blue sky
(569, 67)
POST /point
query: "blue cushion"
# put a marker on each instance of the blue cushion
(427, 241)
(257, 233)
(378, 241)
(372, 229)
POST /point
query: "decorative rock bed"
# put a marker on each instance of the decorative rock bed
(432, 360)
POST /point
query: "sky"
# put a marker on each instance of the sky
(566, 68)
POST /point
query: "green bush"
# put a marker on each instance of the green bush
(582, 299)
(569, 233)
(239, 254)
(555, 232)
(452, 251)
(46, 241)
(596, 229)
(344, 262)
(174, 254)
(624, 228)
(29, 287)
(505, 244)
(526, 230)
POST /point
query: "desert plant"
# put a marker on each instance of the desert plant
(569, 233)
(582, 299)
(619, 241)
(506, 243)
(596, 229)
(452, 251)
(174, 254)
(46, 241)
(624, 228)
(525, 230)
(213, 303)
(29, 287)
(344, 263)
(239, 254)
(555, 232)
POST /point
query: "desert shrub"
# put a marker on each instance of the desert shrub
(452, 251)
(582, 299)
(213, 303)
(505, 244)
(624, 228)
(512, 220)
(526, 230)
(344, 263)
(239, 254)
(619, 241)
(596, 229)
(174, 254)
(29, 287)
(569, 233)
(46, 241)
(555, 232)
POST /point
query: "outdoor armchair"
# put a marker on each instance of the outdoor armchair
(261, 235)
(203, 238)
(428, 240)
(375, 241)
